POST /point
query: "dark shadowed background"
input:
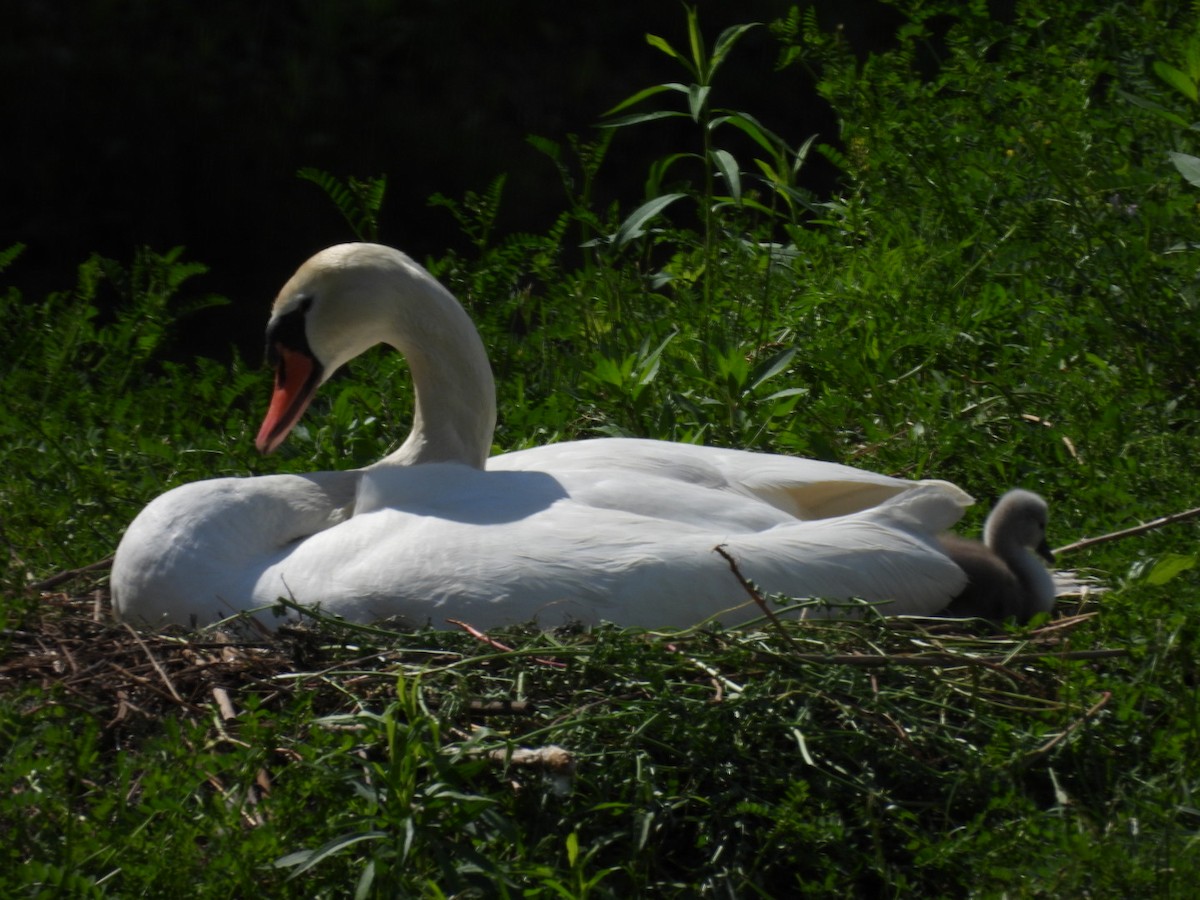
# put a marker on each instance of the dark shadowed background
(164, 124)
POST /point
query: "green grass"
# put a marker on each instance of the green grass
(874, 759)
(1003, 292)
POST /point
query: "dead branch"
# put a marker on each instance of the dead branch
(1130, 532)
(950, 660)
(162, 673)
(492, 642)
(224, 704)
(1070, 729)
(55, 580)
(755, 595)
(552, 758)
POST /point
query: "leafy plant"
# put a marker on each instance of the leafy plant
(997, 293)
(359, 200)
(778, 171)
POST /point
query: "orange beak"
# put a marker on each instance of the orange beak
(297, 376)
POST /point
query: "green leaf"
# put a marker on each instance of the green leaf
(802, 154)
(1188, 166)
(648, 363)
(725, 43)
(662, 44)
(572, 848)
(757, 206)
(306, 859)
(9, 254)
(771, 175)
(696, 41)
(358, 200)
(658, 171)
(544, 145)
(786, 392)
(1169, 567)
(1192, 58)
(765, 138)
(697, 97)
(728, 168)
(1176, 79)
(365, 881)
(635, 118)
(771, 367)
(644, 93)
(1156, 108)
(632, 227)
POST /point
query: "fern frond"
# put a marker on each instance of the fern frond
(9, 254)
(359, 200)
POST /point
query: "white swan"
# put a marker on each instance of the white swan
(1005, 577)
(621, 530)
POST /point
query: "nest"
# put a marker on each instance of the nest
(75, 653)
(71, 650)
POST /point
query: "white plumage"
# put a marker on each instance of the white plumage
(621, 530)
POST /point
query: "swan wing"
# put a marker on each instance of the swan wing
(802, 488)
(510, 546)
(193, 554)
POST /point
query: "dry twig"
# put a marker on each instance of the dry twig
(755, 595)
(504, 648)
(1160, 522)
(62, 577)
(1070, 729)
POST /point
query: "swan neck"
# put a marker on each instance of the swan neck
(455, 394)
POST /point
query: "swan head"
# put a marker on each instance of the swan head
(1019, 519)
(330, 311)
(346, 299)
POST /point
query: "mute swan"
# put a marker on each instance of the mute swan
(614, 529)
(1004, 577)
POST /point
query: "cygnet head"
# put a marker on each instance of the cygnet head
(1018, 520)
